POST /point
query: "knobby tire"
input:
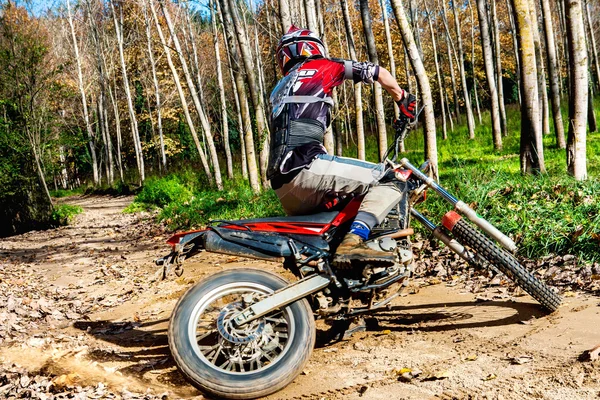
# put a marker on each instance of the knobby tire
(507, 264)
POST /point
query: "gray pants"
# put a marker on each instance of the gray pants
(329, 177)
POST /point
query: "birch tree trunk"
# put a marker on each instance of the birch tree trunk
(36, 156)
(513, 31)
(311, 17)
(261, 124)
(201, 114)
(593, 43)
(365, 14)
(86, 117)
(438, 73)
(419, 69)
(543, 92)
(578, 93)
(241, 90)
(463, 77)
(592, 121)
(225, 122)
(559, 128)
(390, 49)
(163, 156)
(565, 45)
(103, 128)
(101, 101)
(532, 151)
(133, 119)
(409, 84)
(183, 100)
(284, 16)
(118, 129)
(486, 45)
(238, 107)
(498, 58)
(450, 50)
(360, 132)
(473, 62)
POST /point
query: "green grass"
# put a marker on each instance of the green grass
(548, 213)
(63, 214)
(60, 193)
(187, 204)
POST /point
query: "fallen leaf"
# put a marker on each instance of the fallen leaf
(590, 355)
(362, 390)
(64, 381)
(472, 357)
(437, 376)
(569, 294)
(402, 371)
(520, 360)
(490, 377)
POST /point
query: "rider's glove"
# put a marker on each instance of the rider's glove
(407, 105)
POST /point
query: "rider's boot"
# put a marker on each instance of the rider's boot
(353, 252)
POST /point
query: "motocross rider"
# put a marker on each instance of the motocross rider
(301, 172)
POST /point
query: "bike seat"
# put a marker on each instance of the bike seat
(320, 218)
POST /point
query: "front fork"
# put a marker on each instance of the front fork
(462, 207)
(439, 234)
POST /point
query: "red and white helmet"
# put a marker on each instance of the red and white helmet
(296, 45)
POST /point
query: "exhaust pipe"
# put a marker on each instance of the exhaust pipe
(463, 208)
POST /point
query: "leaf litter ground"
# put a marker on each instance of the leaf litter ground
(85, 316)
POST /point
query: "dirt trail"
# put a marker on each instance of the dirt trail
(86, 300)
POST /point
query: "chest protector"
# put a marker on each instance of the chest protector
(288, 134)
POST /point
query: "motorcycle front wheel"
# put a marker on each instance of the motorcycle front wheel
(239, 362)
(507, 264)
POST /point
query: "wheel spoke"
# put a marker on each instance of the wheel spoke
(234, 349)
(280, 320)
(268, 357)
(200, 336)
(207, 349)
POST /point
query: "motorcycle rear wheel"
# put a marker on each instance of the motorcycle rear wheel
(507, 264)
(239, 362)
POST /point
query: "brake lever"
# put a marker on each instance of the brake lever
(414, 120)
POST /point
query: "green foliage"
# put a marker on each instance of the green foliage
(235, 202)
(549, 213)
(26, 93)
(118, 188)
(137, 207)
(186, 204)
(60, 193)
(163, 191)
(64, 213)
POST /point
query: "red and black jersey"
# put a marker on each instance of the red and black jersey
(304, 96)
(318, 78)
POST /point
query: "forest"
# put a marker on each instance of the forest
(172, 99)
(134, 134)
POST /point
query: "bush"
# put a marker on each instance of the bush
(237, 201)
(187, 202)
(63, 213)
(57, 194)
(163, 191)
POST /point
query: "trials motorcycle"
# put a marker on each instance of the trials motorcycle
(246, 333)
